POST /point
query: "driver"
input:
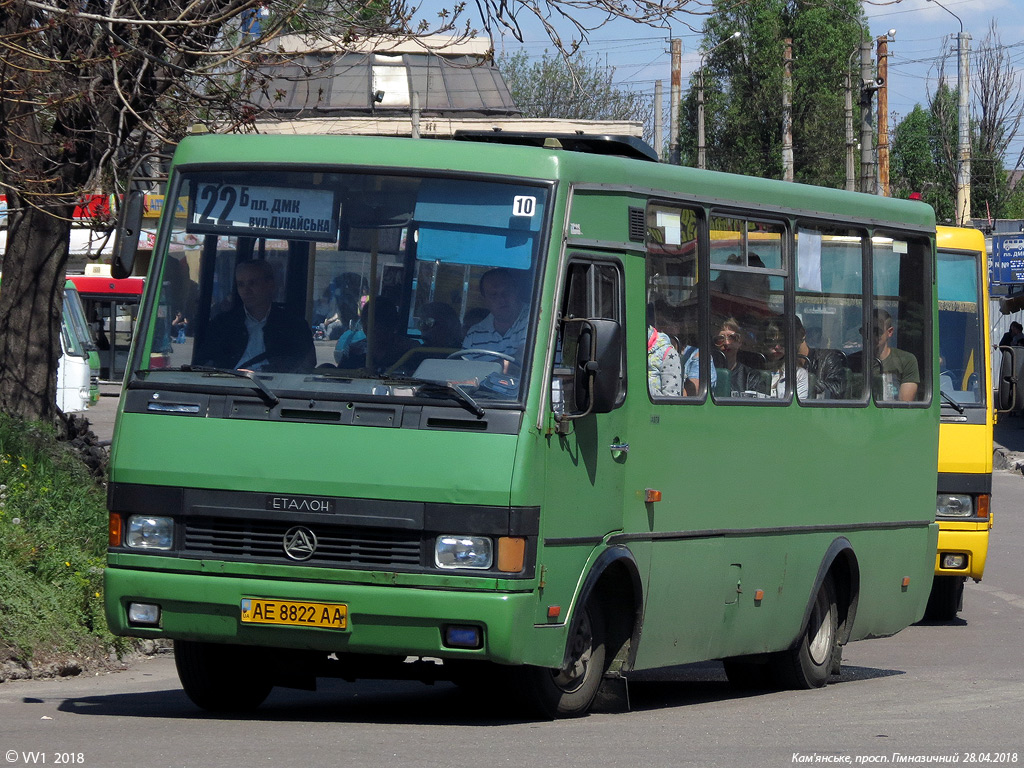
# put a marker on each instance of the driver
(504, 329)
(257, 334)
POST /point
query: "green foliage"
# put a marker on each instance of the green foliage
(915, 162)
(578, 89)
(743, 82)
(925, 147)
(52, 547)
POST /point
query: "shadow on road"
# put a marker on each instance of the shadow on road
(405, 703)
(1009, 432)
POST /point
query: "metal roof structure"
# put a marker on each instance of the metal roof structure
(326, 77)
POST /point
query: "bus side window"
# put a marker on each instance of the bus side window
(748, 325)
(829, 306)
(679, 362)
(900, 327)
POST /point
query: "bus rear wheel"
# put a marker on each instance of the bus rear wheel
(809, 663)
(569, 691)
(222, 678)
(946, 598)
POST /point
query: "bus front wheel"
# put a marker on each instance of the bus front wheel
(946, 598)
(569, 691)
(221, 678)
(809, 663)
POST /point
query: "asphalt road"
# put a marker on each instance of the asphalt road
(101, 416)
(953, 691)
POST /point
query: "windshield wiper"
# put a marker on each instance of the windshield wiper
(264, 391)
(950, 401)
(452, 391)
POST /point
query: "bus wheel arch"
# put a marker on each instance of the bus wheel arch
(614, 583)
(827, 623)
(601, 639)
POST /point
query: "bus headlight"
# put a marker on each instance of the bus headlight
(953, 505)
(146, 532)
(451, 551)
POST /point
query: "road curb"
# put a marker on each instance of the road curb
(1006, 459)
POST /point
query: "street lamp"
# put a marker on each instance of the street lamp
(963, 168)
(701, 159)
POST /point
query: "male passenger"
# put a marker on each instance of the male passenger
(257, 334)
(900, 374)
(504, 329)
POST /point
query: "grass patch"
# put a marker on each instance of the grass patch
(53, 540)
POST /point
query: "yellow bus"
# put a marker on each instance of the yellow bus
(963, 503)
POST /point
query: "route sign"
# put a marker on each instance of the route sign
(1008, 259)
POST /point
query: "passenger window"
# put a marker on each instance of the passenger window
(900, 325)
(677, 353)
(829, 309)
(753, 352)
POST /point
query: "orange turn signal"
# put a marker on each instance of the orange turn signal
(114, 531)
(651, 495)
(983, 502)
(511, 554)
(906, 582)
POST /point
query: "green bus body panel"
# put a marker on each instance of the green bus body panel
(384, 620)
(327, 460)
(523, 162)
(745, 488)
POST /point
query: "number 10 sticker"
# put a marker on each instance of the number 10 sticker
(524, 205)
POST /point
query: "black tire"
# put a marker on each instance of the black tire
(569, 692)
(946, 598)
(809, 663)
(222, 678)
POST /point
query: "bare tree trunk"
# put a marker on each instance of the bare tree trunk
(31, 299)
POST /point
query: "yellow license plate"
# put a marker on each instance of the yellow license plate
(294, 614)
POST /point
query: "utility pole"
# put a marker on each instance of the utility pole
(675, 94)
(787, 110)
(659, 140)
(963, 166)
(963, 171)
(415, 115)
(883, 112)
(851, 144)
(867, 88)
(701, 155)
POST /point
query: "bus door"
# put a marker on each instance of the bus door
(587, 451)
(111, 306)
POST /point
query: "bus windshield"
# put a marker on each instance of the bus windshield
(337, 285)
(961, 330)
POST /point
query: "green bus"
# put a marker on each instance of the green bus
(473, 409)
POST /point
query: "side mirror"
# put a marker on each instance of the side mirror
(1010, 361)
(126, 238)
(597, 369)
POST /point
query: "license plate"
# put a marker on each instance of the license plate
(294, 614)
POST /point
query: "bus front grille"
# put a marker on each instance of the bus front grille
(263, 542)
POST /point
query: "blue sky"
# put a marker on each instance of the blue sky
(640, 55)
